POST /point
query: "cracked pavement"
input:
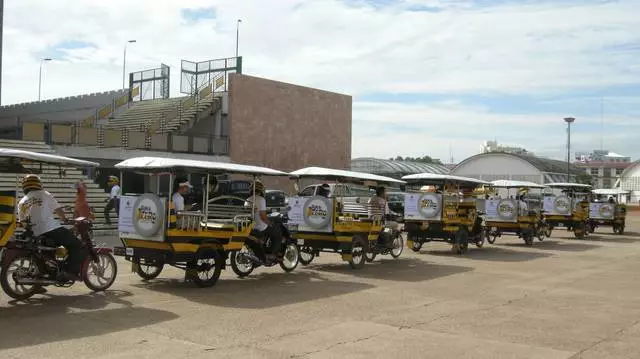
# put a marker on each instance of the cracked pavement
(561, 298)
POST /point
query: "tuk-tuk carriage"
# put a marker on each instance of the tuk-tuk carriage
(446, 211)
(29, 262)
(569, 209)
(154, 234)
(607, 211)
(350, 226)
(520, 215)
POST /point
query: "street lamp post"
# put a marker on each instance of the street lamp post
(569, 121)
(46, 59)
(124, 62)
(237, 35)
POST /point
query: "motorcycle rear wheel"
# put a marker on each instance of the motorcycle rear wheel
(20, 292)
(291, 257)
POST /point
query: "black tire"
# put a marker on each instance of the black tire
(156, 269)
(360, 248)
(214, 268)
(240, 270)
(398, 246)
(292, 250)
(480, 240)
(491, 238)
(460, 241)
(618, 229)
(6, 286)
(103, 258)
(528, 238)
(306, 255)
(370, 256)
(547, 232)
(416, 246)
(580, 230)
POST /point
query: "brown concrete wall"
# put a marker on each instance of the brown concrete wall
(286, 126)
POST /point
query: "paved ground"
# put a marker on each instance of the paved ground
(562, 298)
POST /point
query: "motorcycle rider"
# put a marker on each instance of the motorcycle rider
(378, 204)
(262, 226)
(38, 207)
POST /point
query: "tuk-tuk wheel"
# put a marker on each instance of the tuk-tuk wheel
(306, 255)
(416, 246)
(617, 229)
(148, 270)
(547, 232)
(527, 236)
(460, 241)
(358, 253)
(579, 230)
(208, 267)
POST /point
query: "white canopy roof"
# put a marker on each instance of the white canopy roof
(435, 178)
(328, 173)
(45, 158)
(159, 164)
(569, 185)
(515, 184)
(611, 191)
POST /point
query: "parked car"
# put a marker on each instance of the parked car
(396, 202)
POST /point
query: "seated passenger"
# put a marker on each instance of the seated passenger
(522, 204)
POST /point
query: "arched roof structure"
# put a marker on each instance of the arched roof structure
(395, 169)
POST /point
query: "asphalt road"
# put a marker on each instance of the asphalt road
(561, 298)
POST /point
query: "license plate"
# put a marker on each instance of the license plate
(129, 251)
(300, 242)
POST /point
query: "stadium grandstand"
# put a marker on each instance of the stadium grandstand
(222, 115)
(394, 168)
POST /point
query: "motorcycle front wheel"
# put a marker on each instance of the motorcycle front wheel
(242, 268)
(21, 264)
(100, 274)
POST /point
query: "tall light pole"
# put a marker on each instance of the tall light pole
(237, 35)
(569, 121)
(124, 62)
(46, 59)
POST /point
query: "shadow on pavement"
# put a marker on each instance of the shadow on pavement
(259, 290)
(566, 246)
(47, 319)
(401, 269)
(492, 253)
(611, 238)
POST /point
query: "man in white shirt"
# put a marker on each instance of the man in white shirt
(262, 226)
(178, 195)
(378, 206)
(37, 207)
(114, 198)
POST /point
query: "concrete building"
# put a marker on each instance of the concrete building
(604, 166)
(630, 181)
(493, 146)
(499, 165)
(393, 168)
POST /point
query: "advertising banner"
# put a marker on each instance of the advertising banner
(423, 206)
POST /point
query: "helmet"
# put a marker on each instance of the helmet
(259, 187)
(113, 180)
(31, 183)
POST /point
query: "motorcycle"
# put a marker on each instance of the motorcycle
(29, 263)
(244, 261)
(389, 241)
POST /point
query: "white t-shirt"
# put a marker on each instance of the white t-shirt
(115, 192)
(261, 205)
(178, 201)
(39, 207)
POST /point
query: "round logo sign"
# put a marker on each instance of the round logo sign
(605, 211)
(562, 204)
(506, 209)
(317, 212)
(429, 205)
(147, 215)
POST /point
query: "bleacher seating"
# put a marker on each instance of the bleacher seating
(60, 187)
(162, 115)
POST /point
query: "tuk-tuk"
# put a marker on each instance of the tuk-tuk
(569, 208)
(445, 211)
(154, 234)
(29, 262)
(520, 215)
(349, 225)
(606, 210)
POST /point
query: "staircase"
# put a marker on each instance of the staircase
(60, 187)
(162, 115)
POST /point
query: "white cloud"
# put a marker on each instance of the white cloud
(532, 49)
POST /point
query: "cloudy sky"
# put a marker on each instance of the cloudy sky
(425, 75)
